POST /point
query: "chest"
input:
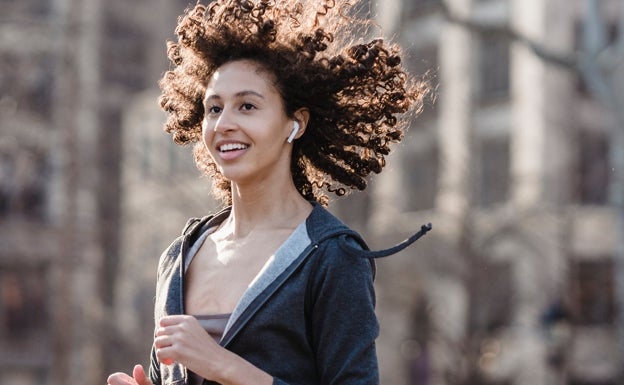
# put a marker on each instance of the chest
(221, 272)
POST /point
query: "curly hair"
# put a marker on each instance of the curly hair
(354, 91)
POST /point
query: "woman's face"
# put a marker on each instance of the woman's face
(245, 127)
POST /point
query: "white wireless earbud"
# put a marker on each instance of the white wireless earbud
(294, 132)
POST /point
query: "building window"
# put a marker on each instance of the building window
(415, 8)
(420, 165)
(494, 163)
(611, 37)
(493, 67)
(593, 292)
(415, 350)
(593, 168)
(26, 84)
(491, 296)
(26, 9)
(24, 323)
(23, 189)
(23, 302)
(125, 51)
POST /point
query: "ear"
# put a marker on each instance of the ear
(301, 116)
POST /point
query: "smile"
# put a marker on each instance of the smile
(232, 147)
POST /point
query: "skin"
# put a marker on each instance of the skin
(244, 111)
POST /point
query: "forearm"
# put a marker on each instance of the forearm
(234, 370)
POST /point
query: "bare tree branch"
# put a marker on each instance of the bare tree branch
(569, 61)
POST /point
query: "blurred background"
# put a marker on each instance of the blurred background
(518, 162)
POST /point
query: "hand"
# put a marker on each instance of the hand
(182, 339)
(138, 378)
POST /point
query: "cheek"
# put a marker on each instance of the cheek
(207, 133)
(207, 139)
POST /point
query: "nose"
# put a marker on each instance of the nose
(225, 122)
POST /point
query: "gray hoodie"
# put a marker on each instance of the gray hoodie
(308, 319)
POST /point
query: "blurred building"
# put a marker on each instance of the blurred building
(28, 237)
(516, 284)
(71, 75)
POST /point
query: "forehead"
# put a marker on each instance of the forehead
(240, 75)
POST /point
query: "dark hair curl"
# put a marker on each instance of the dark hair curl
(354, 91)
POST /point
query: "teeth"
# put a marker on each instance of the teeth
(232, 146)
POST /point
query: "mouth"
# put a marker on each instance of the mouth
(232, 147)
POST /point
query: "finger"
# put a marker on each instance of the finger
(164, 356)
(139, 375)
(119, 379)
(163, 331)
(173, 323)
(162, 341)
(172, 319)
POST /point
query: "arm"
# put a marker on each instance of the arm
(181, 339)
(344, 324)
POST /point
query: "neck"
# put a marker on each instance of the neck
(265, 207)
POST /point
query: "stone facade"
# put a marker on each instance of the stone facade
(513, 163)
(505, 290)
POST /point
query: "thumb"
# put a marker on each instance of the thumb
(139, 375)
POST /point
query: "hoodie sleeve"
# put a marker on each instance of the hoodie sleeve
(343, 321)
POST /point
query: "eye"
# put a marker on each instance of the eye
(247, 107)
(214, 109)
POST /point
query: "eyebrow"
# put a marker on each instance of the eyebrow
(238, 94)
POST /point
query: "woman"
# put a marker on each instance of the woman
(274, 289)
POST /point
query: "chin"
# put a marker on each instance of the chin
(235, 176)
